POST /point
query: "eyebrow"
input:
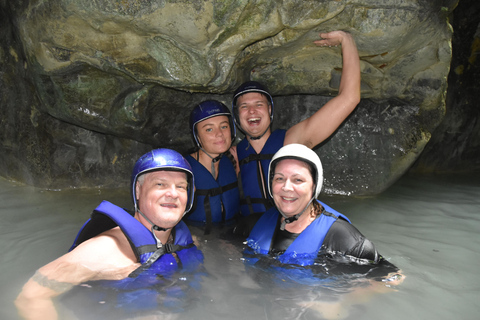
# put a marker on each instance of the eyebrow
(211, 124)
(255, 101)
(159, 179)
(155, 179)
(293, 175)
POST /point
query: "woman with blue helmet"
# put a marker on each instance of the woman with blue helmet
(132, 252)
(216, 188)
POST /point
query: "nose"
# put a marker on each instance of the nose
(218, 133)
(287, 186)
(172, 192)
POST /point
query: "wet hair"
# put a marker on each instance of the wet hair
(232, 159)
(310, 169)
(141, 178)
(267, 98)
(317, 209)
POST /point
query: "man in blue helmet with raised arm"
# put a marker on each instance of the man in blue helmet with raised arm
(126, 251)
(253, 113)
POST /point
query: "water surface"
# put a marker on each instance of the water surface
(427, 226)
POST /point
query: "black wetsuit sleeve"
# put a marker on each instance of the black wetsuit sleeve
(344, 238)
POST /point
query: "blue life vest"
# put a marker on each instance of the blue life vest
(142, 241)
(215, 200)
(304, 248)
(148, 289)
(253, 189)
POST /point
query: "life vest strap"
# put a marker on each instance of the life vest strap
(166, 248)
(216, 191)
(207, 193)
(255, 157)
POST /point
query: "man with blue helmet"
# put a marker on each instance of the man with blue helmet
(253, 113)
(216, 188)
(118, 246)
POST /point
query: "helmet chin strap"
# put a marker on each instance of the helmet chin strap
(292, 218)
(154, 227)
(260, 136)
(213, 160)
(255, 138)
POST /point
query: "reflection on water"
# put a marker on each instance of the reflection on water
(426, 226)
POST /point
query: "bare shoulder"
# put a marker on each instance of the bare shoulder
(111, 245)
(105, 256)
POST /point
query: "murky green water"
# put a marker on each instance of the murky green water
(427, 226)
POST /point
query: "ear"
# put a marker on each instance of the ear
(137, 190)
(199, 139)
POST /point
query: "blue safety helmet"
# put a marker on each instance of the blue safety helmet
(208, 109)
(163, 159)
(246, 87)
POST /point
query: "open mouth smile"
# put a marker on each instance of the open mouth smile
(254, 120)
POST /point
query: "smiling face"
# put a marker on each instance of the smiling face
(162, 197)
(253, 113)
(292, 186)
(214, 134)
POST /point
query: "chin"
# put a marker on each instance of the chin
(288, 212)
(221, 150)
(171, 219)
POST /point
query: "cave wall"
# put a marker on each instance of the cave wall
(87, 87)
(455, 143)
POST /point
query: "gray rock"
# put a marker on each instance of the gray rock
(94, 84)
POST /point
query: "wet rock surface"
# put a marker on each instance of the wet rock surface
(87, 87)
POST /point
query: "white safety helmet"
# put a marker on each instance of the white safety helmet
(302, 153)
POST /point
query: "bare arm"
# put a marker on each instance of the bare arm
(102, 257)
(334, 310)
(327, 119)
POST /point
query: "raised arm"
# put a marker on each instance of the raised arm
(327, 119)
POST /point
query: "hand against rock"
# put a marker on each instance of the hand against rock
(333, 38)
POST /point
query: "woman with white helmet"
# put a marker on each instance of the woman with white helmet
(299, 226)
(216, 188)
